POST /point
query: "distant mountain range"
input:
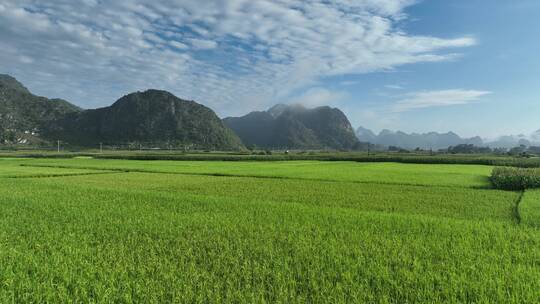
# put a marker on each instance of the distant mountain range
(436, 141)
(151, 117)
(295, 127)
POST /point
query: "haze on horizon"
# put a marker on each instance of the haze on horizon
(470, 67)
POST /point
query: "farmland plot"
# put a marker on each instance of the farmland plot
(265, 232)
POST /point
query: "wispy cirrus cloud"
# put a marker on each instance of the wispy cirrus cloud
(317, 96)
(233, 55)
(442, 98)
(394, 87)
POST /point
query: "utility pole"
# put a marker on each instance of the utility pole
(58, 145)
(100, 147)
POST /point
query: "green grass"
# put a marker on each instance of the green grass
(296, 232)
(13, 169)
(462, 203)
(529, 208)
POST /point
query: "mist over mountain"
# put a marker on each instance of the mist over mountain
(431, 140)
(295, 127)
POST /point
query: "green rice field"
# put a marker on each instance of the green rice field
(132, 231)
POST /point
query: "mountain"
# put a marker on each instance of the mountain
(431, 140)
(153, 116)
(365, 135)
(295, 127)
(434, 140)
(23, 115)
(277, 110)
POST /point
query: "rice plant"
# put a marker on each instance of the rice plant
(291, 232)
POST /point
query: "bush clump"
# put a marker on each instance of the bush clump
(511, 178)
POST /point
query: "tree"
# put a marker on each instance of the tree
(468, 149)
(521, 150)
(534, 150)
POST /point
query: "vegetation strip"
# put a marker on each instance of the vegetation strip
(357, 157)
(508, 178)
(488, 160)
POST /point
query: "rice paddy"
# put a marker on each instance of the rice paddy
(87, 230)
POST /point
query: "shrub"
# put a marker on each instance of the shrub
(511, 178)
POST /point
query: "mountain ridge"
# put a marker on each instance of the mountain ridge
(152, 116)
(295, 127)
(436, 140)
(23, 115)
(158, 117)
(429, 140)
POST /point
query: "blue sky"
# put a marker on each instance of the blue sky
(469, 66)
(504, 61)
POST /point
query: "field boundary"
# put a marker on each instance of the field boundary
(57, 175)
(126, 170)
(517, 215)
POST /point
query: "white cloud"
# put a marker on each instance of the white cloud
(315, 97)
(178, 45)
(255, 52)
(202, 44)
(443, 98)
(394, 87)
(25, 59)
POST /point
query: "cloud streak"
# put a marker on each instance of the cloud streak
(316, 97)
(232, 55)
(442, 98)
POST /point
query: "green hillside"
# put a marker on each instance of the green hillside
(295, 127)
(153, 116)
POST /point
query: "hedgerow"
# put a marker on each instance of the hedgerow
(466, 159)
(416, 159)
(509, 178)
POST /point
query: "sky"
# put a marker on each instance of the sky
(468, 66)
